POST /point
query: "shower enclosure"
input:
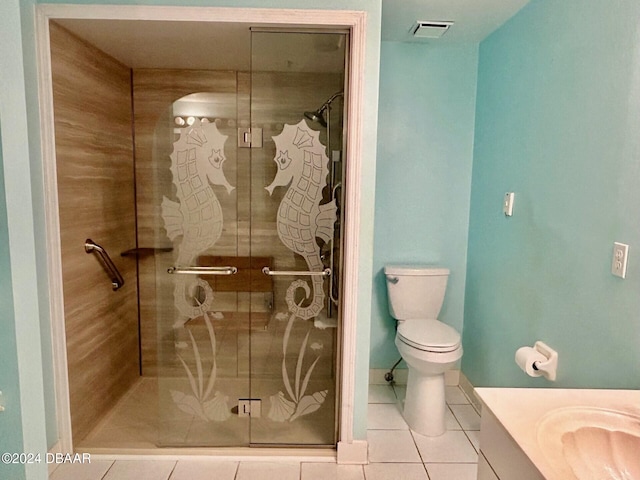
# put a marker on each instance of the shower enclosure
(162, 361)
(223, 221)
(238, 241)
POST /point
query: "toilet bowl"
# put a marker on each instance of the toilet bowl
(428, 346)
(425, 406)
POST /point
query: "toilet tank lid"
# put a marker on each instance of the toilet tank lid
(415, 270)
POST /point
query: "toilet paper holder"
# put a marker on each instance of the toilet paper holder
(544, 362)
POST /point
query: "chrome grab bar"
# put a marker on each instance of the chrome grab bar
(323, 273)
(116, 279)
(203, 270)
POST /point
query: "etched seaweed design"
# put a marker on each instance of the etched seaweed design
(297, 404)
(204, 403)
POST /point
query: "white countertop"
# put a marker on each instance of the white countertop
(521, 409)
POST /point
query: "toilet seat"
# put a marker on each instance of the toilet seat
(428, 335)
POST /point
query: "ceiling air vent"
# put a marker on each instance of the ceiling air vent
(430, 29)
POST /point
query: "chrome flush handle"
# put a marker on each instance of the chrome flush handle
(393, 280)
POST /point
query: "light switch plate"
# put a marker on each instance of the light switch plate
(507, 205)
(619, 262)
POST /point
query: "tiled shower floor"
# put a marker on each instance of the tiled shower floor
(395, 452)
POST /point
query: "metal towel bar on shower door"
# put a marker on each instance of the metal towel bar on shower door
(203, 270)
(116, 279)
(323, 273)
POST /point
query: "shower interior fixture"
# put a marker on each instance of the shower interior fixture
(318, 115)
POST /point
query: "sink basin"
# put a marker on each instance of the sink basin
(588, 443)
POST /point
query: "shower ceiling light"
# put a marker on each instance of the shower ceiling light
(428, 29)
(182, 121)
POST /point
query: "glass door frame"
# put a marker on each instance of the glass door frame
(358, 190)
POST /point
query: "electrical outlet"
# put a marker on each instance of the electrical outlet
(619, 262)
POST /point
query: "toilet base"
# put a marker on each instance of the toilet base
(424, 405)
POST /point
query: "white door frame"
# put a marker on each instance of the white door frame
(355, 22)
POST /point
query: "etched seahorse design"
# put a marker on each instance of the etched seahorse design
(302, 162)
(196, 161)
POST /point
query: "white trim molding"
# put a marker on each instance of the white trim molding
(355, 22)
(52, 225)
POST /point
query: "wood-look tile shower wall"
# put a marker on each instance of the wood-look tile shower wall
(94, 152)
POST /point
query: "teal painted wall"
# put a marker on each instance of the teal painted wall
(10, 420)
(33, 213)
(558, 122)
(425, 151)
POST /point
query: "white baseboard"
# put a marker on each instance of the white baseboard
(376, 376)
(470, 392)
(355, 453)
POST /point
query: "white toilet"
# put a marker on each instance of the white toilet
(429, 346)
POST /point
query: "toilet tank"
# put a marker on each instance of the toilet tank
(415, 291)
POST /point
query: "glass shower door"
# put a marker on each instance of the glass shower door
(248, 179)
(294, 213)
(202, 284)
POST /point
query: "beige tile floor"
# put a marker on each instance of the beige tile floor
(395, 452)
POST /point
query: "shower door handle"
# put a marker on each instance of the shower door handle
(203, 270)
(323, 273)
